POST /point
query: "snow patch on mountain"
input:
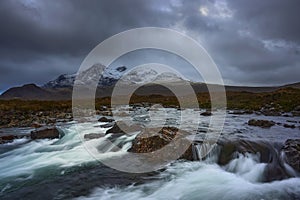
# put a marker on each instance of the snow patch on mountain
(110, 76)
(89, 76)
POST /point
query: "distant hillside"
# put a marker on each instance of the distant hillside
(61, 88)
(34, 92)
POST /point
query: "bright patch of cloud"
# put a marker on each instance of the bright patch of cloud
(219, 9)
(278, 45)
(222, 9)
(204, 11)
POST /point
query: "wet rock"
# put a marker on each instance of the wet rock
(92, 136)
(292, 121)
(10, 138)
(45, 133)
(287, 115)
(7, 139)
(270, 113)
(105, 119)
(150, 141)
(206, 113)
(122, 127)
(291, 150)
(289, 126)
(261, 123)
(241, 112)
(296, 113)
(106, 125)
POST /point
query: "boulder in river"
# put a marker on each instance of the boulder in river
(291, 150)
(7, 138)
(150, 140)
(206, 113)
(289, 126)
(261, 123)
(46, 133)
(122, 127)
(92, 136)
(10, 138)
(105, 119)
(240, 112)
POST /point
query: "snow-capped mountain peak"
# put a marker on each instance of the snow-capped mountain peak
(110, 76)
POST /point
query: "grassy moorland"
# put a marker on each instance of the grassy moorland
(18, 113)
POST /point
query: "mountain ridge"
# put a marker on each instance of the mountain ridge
(61, 88)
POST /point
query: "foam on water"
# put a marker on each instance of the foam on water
(198, 180)
(241, 177)
(68, 151)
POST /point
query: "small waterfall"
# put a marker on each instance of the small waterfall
(289, 170)
(209, 153)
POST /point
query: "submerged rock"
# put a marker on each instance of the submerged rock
(289, 126)
(10, 138)
(122, 127)
(261, 123)
(92, 136)
(206, 113)
(241, 112)
(7, 139)
(45, 133)
(105, 119)
(109, 125)
(291, 150)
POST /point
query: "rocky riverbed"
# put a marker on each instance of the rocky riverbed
(253, 149)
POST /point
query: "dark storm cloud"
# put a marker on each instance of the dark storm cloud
(253, 42)
(249, 40)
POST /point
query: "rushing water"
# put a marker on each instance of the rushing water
(63, 168)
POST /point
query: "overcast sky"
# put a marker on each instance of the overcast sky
(253, 42)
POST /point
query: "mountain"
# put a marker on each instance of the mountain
(111, 75)
(61, 87)
(28, 91)
(141, 76)
(108, 78)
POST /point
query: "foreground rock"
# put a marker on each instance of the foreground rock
(291, 150)
(46, 133)
(150, 140)
(261, 123)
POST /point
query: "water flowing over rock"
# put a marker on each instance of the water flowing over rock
(261, 123)
(105, 119)
(289, 126)
(291, 150)
(92, 136)
(7, 138)
(206, 113)
(46, 133)
(122, 127)
(150, 140)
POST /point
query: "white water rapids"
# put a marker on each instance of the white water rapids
(240, 179)
(24, 161)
